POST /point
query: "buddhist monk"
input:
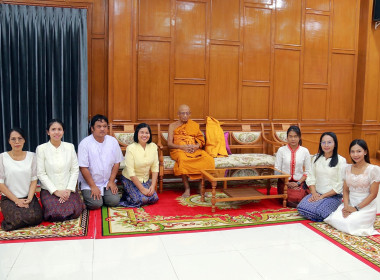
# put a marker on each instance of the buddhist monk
(186, 141)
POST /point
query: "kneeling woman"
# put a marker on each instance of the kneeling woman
(325, 181)
(18, 182)
(140, 158)
(58, 170)
(295, 160)
(357, 214)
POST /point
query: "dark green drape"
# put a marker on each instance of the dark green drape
(43, 71)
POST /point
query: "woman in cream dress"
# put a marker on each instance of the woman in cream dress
(357, 214)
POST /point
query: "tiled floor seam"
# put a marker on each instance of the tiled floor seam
(170, 260)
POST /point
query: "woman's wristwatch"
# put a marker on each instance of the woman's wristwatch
(357, 208)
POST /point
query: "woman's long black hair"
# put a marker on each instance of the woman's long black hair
(334, 158)
(297, 131)
(364, 146)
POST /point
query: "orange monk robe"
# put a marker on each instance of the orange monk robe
(190, 163)
(216, 143)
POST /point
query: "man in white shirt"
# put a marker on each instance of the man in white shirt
(99, 157)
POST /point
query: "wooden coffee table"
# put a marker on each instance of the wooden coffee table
(247, 192)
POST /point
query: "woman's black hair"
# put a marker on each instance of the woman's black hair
(19, 131)
(297, 130)
(334, 157)
(140, 126)
(362, 144)
(52, 121)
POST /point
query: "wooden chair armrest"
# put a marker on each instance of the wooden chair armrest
(274, 143)
(246, 146)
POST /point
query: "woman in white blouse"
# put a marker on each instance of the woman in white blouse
(58, 170)
(293, 159)
(325, 181)
(18, 182)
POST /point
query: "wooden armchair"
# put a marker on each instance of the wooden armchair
(123, 132)
(275, 143)
(278, 133)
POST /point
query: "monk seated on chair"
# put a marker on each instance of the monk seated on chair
(186, 141)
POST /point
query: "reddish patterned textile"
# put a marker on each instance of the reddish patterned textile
(57, 212)
(16, 217)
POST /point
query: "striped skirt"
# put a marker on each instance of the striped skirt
(16, 217)
(54, 211)
(318, 210)
(132, 197)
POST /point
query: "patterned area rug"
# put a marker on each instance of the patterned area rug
(174, 214)
(366, 249)
(72, 229)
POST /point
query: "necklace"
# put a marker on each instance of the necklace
(17, 157)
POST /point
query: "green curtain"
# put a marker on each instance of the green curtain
(43, 71)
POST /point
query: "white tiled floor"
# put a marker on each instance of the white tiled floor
(272, 252)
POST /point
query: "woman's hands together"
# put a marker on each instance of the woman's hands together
(63, 195)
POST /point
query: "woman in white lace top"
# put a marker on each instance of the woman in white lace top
(357, 214)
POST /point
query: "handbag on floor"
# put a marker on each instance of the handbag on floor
(295, 194)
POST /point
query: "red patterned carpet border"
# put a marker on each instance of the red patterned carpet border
(366, 249)
(173, 213)
(81, 228)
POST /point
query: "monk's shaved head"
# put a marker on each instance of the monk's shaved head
(184, 113)
(183, 107)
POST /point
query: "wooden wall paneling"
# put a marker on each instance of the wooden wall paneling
(365, 22)
(344, 141)
(225, 20)
(311, 133)
(172, 110)
(316, 49)
(372, 140)
(120, 104)
(310, 140)
(190, 40)
(344, 24)
(192, 95)
(224, 81)
(302, 61)
(154, 18)
(288, 22)
(267, 2)
(255, 102)
(319, 5)
(257, 44)
(98, 77)
(314, 104)
(153, 80)
(100, 17)
(372, 90)
(241, 57)
(342, 94)
(286, 84)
